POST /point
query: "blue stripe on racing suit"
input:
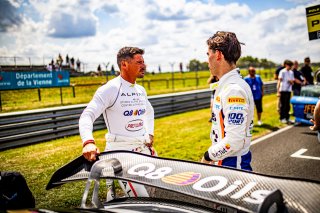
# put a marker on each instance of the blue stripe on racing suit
(245, 161)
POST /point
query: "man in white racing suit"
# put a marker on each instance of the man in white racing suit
(233, 106)
(128, 115)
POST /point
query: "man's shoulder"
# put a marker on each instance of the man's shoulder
(115, 83)
(282, 71)
(279, 69)
(247, 78)
(258, 77)
(140, 87)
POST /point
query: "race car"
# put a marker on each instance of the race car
(303, 105)
(200, 187)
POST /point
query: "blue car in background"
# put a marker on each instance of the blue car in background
(303, 105)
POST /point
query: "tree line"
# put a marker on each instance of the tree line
(243, 63)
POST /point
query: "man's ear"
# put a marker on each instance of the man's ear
(124, 64)
(219, 55)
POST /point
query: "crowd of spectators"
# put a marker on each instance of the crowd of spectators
(59, 64)
(290, 81)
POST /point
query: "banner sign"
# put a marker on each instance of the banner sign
(29, 80)
(313, 21)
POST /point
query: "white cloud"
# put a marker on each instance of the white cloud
(169, 31)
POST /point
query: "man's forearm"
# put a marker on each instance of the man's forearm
(316, 114)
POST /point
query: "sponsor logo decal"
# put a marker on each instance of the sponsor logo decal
(216, 185)
(134, 125)
(235, 118)
(221, 152)
(182, 179)
(217, 106)
(213, 118)
(228, 146)
(309, 108)
(132, 94)
(218, 99)
(134, 112)
(236, 100)
(250, 130)
(236, 108)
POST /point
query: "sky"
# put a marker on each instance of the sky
(170, 31)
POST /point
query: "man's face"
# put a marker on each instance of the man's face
(252, 71)
(136, 66)
(288, 67)
(211, 61)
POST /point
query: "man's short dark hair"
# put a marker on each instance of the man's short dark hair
(288, 62)
(307, 59)
(128, 52)
(227, 43)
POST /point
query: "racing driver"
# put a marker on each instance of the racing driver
(128, 115)
(233, 105)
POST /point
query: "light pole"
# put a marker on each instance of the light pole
(106, 65)
(172, 74)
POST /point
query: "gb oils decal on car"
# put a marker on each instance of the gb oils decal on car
(216, 184)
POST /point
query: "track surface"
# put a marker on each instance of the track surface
(273, 155)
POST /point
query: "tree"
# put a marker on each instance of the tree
(196, 65)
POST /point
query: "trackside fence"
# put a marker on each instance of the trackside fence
(34, 126)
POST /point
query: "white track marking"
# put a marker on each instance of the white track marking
(298, 154)
(270, 135)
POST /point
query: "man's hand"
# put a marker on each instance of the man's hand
(206, 162)
(206, 159)
(314, 127)
(90, 151)
(150, 144)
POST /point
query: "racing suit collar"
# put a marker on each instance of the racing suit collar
(228, 75)
(126, 83)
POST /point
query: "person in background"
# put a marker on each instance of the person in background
(316, 120)
(72, 63)
(78, 62)
(256, 85)
(298, 79)
(306, 71)
(285, 82)
(276, 73)
(99, 70)
(276, 76)
(67, 60)
(233, 106)
(127, 112)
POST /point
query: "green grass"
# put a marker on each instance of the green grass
(85, 87)
(181, 136)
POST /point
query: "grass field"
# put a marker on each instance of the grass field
(181, 136)
(85, 87)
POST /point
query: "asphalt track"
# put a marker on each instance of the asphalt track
(291, 152)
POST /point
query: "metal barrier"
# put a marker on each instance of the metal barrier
(34, 126)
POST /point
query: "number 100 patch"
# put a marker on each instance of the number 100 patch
(235, 118)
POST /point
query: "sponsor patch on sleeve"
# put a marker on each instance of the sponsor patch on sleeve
(222, 151)
(236, 100)
(235, 118)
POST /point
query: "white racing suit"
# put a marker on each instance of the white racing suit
(232, 122)
(129, 118)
